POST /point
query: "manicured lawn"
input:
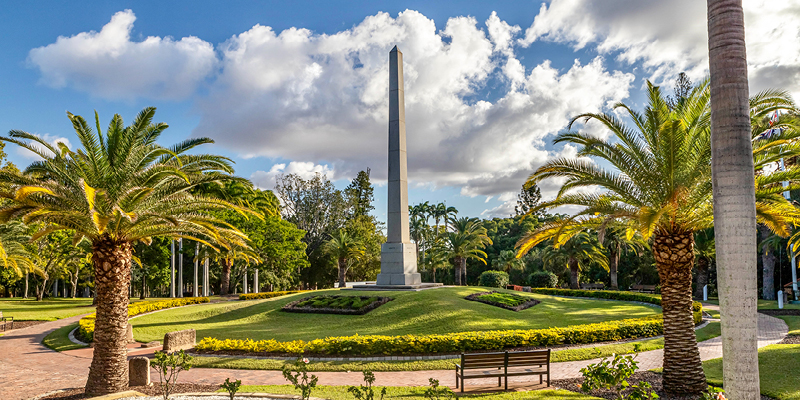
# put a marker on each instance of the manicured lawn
(777, 365)
(793, 322)
(426, 312)
(45, 310)
(408, 393)
(58, 339)
(711, 330)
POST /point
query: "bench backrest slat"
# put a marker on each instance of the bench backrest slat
(501, 360)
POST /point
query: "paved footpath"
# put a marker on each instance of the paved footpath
(27, 368)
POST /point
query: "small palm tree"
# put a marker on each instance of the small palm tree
(465, 240)
(577, 253)
(506, 261)
(658, 184)
(120, 187)
(615, 240)
(344, 248)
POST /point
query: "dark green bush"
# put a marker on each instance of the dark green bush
(498, 279)
(543, 279)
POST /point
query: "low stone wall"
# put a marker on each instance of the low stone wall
(180, 340)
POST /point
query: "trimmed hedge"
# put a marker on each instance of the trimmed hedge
(453, 342)
(543, 279)
(268, 295)
(85, 330)
(498, 279)
(697, 307)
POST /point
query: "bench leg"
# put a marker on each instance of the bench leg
(499, 381)
(506, 382)
(462, 384)
(456, 380)
(540, 379)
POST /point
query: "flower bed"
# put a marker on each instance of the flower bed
(346, 305)
(697, 307)
(268, 295)
(509, 301)
(85, 330)
(454, 342)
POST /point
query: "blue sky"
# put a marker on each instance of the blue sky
(301, 86)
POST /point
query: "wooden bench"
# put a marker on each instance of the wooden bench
(643, 288)
(593, 286)
(6, 320)
(502, 365)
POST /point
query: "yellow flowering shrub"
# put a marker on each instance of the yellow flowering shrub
(454, 342)
(86, 324)
(268, 295)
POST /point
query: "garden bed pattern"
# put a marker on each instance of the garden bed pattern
(344, 305)
(508, 301)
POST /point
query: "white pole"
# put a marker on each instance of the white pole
(780, 299)
(705, 292)
(195, 293)
(244, 281)
(255, 281)
(205, 278)
(172, 269)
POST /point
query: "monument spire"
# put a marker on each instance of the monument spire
(398, 254)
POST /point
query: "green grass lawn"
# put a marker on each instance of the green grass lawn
(58, 339)
(408, 393)
(45, 310)
(426, 312)
(777, 365)
(711, 330)
(793, 322)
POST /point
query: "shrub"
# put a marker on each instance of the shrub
(268, 295)
(613, 375)
(543, 279)
(231, 387)
(366, 392)
(85, 330)
(168, 366)
(498, 279)
(448, 343)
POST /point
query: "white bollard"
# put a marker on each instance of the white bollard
(705, 292)
(780, 299)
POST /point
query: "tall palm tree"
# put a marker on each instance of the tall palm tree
(659, 186)
(576, 254)
(345, 249)
(616, 242)
(120, 187)
(465, 240)
(734, 198)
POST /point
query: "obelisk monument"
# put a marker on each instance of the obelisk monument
(398, 254)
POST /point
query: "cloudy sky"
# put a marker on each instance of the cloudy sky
(302, 86)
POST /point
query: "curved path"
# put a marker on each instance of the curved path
(27, 368)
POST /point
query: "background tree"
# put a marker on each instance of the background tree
(528, 199)
(119, 188)
(359, 193)
(614, 238)
(344, 249)
(577, 253)
(465, 240)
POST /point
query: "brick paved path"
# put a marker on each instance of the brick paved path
(27, 368)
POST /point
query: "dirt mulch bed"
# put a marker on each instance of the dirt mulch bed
(791, 339)
(19, 325)
(154, 390)
(776, 313)
(654, 379)
(476, 297)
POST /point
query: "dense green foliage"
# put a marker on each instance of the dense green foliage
(498, 279)
(543, 279)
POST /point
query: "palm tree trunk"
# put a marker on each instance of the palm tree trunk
(342, 272)
(457, 268)
(573, 273)
(26, 286)
(683, 370)
(142, 296)
(225, 280)
(768, 264)
(613, 261)
(108, 372)
(734, 198)
(463, 268)
(702, 277)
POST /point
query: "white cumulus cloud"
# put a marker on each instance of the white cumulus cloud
(306, 170)
(110, 65)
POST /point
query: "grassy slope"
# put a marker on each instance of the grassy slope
(793, 322)
(409, 393)
(58, 339)
(45, 310)
(777, 370)
(426, 312)
(712, 330)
